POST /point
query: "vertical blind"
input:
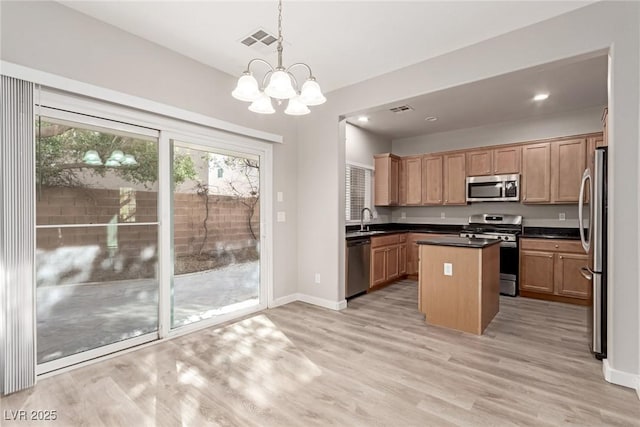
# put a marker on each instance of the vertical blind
(358, 191)
(17, 337)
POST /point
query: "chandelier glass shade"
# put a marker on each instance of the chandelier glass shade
(280, 84)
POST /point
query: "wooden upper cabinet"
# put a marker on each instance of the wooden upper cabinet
(386, 185)
(506, 160)
(414, 180)
(454, 173)
(568, 160)
(432, 180)
(536, 173)
(402, 182)
(479, 163)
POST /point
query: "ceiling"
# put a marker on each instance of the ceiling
(344, 42)
(572, 84)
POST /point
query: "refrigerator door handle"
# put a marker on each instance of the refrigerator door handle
(586, 176)
(586, 273)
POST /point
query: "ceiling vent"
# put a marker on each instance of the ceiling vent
(401, 109)
(259, 38)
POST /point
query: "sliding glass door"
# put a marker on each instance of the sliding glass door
(216, 232)
(96, 237)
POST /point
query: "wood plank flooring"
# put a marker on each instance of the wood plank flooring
(374, 364)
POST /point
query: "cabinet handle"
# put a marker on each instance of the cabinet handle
(556, 246)
(561, 257)
(549, 256)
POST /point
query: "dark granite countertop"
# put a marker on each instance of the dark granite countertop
(392, 228)
(551, 233)
(458, 241)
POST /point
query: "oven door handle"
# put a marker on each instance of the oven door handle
(504, 244)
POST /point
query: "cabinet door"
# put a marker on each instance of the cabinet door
(386, 191)
(394, 192)
(506, 160)
(567, 167)
(592, 143)
(402, 260)
(393, 262)
(412, 253)
(536, 173)
(402, 182)
(455, 179)
(414, 180)
(568, 280)
(432, 180)
(378, 266)
(536, 271)
(479, 163)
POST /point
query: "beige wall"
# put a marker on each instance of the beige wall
(596, 27)
(50, 37)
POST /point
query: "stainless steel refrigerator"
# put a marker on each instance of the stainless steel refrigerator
(593, 234)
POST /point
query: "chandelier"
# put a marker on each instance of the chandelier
(282, 85)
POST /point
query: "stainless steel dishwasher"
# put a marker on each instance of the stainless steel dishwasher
(358, 261)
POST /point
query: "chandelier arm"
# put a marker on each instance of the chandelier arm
(295, 81)
(259, 60)
(302, 64)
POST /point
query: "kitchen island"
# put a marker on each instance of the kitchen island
(459, 282)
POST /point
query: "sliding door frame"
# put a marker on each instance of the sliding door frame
(206, 141)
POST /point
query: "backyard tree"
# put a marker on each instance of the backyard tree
(60, 151)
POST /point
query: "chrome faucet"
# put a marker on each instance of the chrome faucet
(362, 218)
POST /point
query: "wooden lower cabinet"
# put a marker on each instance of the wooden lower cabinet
(388, 259)
(550, 269)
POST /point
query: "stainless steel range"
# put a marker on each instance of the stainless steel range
(505, 228)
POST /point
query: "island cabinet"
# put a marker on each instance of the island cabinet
(413, 253)
(432, 180)
(497, 161)
(459, 286)
(550, 269)
(454, 173)
(388, 259)
(386, 181)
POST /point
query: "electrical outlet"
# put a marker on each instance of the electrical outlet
(448, 269)
(562, 216)
(282, 216)
(442, 215)
(375, 214)
(403, 215)
(317, 279)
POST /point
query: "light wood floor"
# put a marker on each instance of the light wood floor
(375, 363)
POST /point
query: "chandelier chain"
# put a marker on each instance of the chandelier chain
(280, 21)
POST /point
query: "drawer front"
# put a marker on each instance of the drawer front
(554, 245)
(392, 239)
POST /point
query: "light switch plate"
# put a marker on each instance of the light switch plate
(317, 278)
(448, 269)
(403, 215)
(442, 215)
(562, 216)
(280, 196)
(282, 216)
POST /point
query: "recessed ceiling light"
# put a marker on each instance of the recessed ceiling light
(363, 119)
(431, 119)
(541, 97)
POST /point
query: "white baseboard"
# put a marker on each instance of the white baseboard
(321, 302)
(283, 300)
(622, 378)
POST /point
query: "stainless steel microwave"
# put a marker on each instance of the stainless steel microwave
(495, 188)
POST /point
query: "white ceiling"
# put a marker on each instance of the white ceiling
(344, 42)
(572, 84)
